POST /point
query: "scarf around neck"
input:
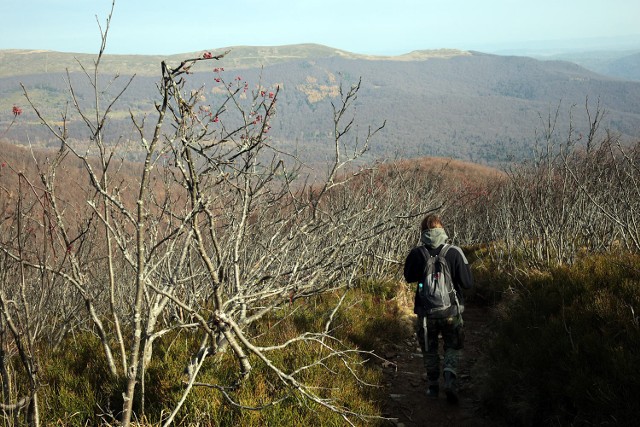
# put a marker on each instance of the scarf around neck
(433, 237)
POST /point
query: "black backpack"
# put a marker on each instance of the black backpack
(435, 291)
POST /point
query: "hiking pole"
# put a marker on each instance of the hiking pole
(424, 327)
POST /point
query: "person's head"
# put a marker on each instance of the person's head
(431, 221)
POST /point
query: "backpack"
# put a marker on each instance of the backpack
(435, 291)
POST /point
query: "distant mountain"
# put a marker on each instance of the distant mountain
(446, 103)
(614, 63)
(627, 67)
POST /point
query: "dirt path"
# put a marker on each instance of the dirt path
(407, 383)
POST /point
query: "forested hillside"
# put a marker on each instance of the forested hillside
(465, 105)
(620, 64)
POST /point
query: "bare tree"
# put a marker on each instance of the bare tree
(578, 193)
(607, 175)
(215, 229)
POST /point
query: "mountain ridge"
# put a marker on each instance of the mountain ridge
(23, 61)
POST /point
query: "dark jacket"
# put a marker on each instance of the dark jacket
(460, 273)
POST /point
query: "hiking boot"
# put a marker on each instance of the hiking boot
(450, 387)
(432, 391)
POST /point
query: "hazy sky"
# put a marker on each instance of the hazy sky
(361, 26)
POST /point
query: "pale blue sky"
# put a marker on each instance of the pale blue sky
(361, 26)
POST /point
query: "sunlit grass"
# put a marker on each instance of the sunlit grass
(79, 389)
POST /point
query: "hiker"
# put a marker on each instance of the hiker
(439, 314)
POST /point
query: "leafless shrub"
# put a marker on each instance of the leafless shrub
(208, 235)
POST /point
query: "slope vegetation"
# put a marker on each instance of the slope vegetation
(446, 103)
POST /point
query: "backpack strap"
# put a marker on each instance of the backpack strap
(425, 253)
(441, 258)
(444, 250)
(442, 253)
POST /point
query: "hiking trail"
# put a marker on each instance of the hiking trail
(406, 383)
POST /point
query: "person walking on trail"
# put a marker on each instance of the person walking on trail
(442, 272)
